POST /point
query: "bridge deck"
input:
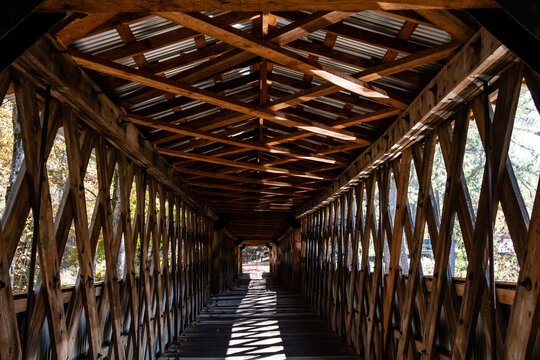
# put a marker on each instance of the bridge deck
(258, 319)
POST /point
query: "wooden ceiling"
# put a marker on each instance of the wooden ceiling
(259, 111)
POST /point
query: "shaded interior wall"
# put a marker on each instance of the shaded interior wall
(289, 269)
(362, 252)
(224, 267)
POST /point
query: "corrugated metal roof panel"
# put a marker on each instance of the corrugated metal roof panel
(99, 42)
(369, 20)
(176, 71)
(170, 51)
(376, 22)
(359, 48)
(126, 89)
(430, 36)
(151, 27)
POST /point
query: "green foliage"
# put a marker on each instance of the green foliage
(252, 254)
(100, 265)
(6, 144)
(524, 153)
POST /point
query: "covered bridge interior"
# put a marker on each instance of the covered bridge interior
(384, 152)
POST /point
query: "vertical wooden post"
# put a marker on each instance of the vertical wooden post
(215, 260)
(296, 248)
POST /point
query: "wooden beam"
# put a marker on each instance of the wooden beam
(340, 124)
(165, 39)
(71, 85)
(254, 5)
(245, 189)
(374, 72)
(186, 130)
(370, 74)
(483, 55)
(275, 53)
(449, 23)
(79, 28)
(240, 179)
(523, 322)
(351, 60)
(239, 164)
(306, 25)
(238, 57)
(175, 87)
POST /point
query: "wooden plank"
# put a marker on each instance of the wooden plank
(154, 266)
(50, 273)
(407, 308)
(29, 120)
(395, 245)
(503, 121)
(237, 57)
(105, 165)
(77, 167)
(349, 59)
(354, 120)
(445, 237)
(370, 74)
(252, 5)
(63, 222)
(465, 215)
(523, 323)
(125, 175)
(10, 346)
(244, 189)
(306, 25)
(135, 47)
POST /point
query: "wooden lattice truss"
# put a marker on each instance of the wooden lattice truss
(170, 242)
(387, 314)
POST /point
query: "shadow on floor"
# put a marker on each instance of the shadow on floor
(258, 319)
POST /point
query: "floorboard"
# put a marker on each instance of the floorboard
(258, 319)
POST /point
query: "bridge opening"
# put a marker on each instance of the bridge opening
(256, 260)
(358, 180)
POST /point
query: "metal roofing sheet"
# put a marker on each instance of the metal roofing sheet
(151, 27)
(369, 20)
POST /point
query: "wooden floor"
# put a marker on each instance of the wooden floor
(257, 319)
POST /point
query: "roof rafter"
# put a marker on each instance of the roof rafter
(240, 164)
(236, 57)
(274, 52)
(240, 179)
(175, 87)
(186, 130)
